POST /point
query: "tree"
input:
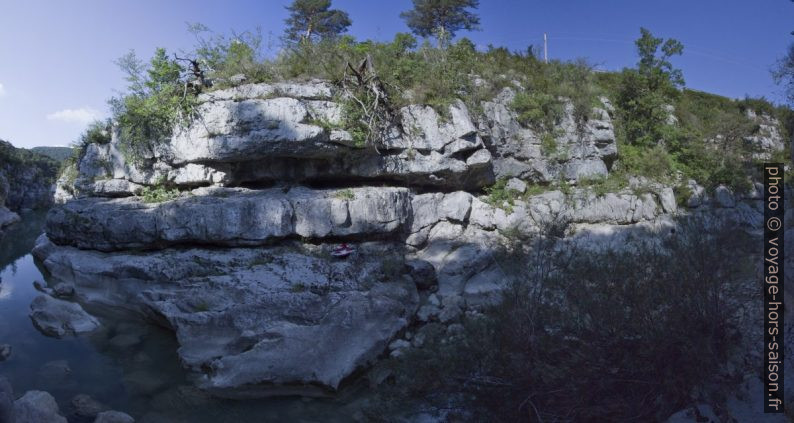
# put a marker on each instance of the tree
(658, 69)
(646, 92)
(313, 19)
(441, 18)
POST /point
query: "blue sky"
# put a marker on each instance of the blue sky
(57, 71)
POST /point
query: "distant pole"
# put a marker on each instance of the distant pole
(545, 48)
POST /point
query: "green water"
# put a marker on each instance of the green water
(127, 365)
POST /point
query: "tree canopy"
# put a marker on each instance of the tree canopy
(441, 18)
(647, 92)
(313, 19)
(658, 67)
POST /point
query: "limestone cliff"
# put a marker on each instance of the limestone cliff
(237, 261)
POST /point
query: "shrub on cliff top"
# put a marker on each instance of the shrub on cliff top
(157, 100)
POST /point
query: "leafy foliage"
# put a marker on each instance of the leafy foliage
(159, 194)
(310, 20)
(441, 18)
(158, 99)
(645, 93)
(499, 195)
(225, 57)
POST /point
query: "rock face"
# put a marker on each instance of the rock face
(280, 320)
(59, 318)
(576, 152)
(459, 234)
(262, 133)
(27, 179)
(230, 217)
(767, 138)
(239, 265)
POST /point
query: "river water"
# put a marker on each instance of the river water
(127, 365)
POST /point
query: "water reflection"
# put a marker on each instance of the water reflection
(126, 365)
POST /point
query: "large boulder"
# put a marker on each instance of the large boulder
(59, 318)
(253, 322)
(229, 217)
(37, 407)
(7, 218)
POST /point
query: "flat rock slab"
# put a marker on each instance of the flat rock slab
(60, 318)
(229, 217)
(254, 322)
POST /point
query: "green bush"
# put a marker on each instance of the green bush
(97, 132)
(224, 57)
(158, 99)
(682, 194)
(603, 185)
(345, 194)
(498, 195)
(654, 163)
(159, 194)
(538, 111)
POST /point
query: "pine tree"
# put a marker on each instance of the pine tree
(441, 18)
(314, 19)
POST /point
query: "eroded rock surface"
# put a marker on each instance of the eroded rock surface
(60, 318)
(262, 321)
(239, 265)
(575, 152)
(229, 217)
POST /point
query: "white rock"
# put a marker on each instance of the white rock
(59, 318)
(516, 184)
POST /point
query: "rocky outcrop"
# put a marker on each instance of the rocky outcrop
(459, 234)
(767, 138)
(279, 320)
(239, 263)
(262, 133)
(579, 151)
(230, 217)
(27, 179)
(60, 318)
